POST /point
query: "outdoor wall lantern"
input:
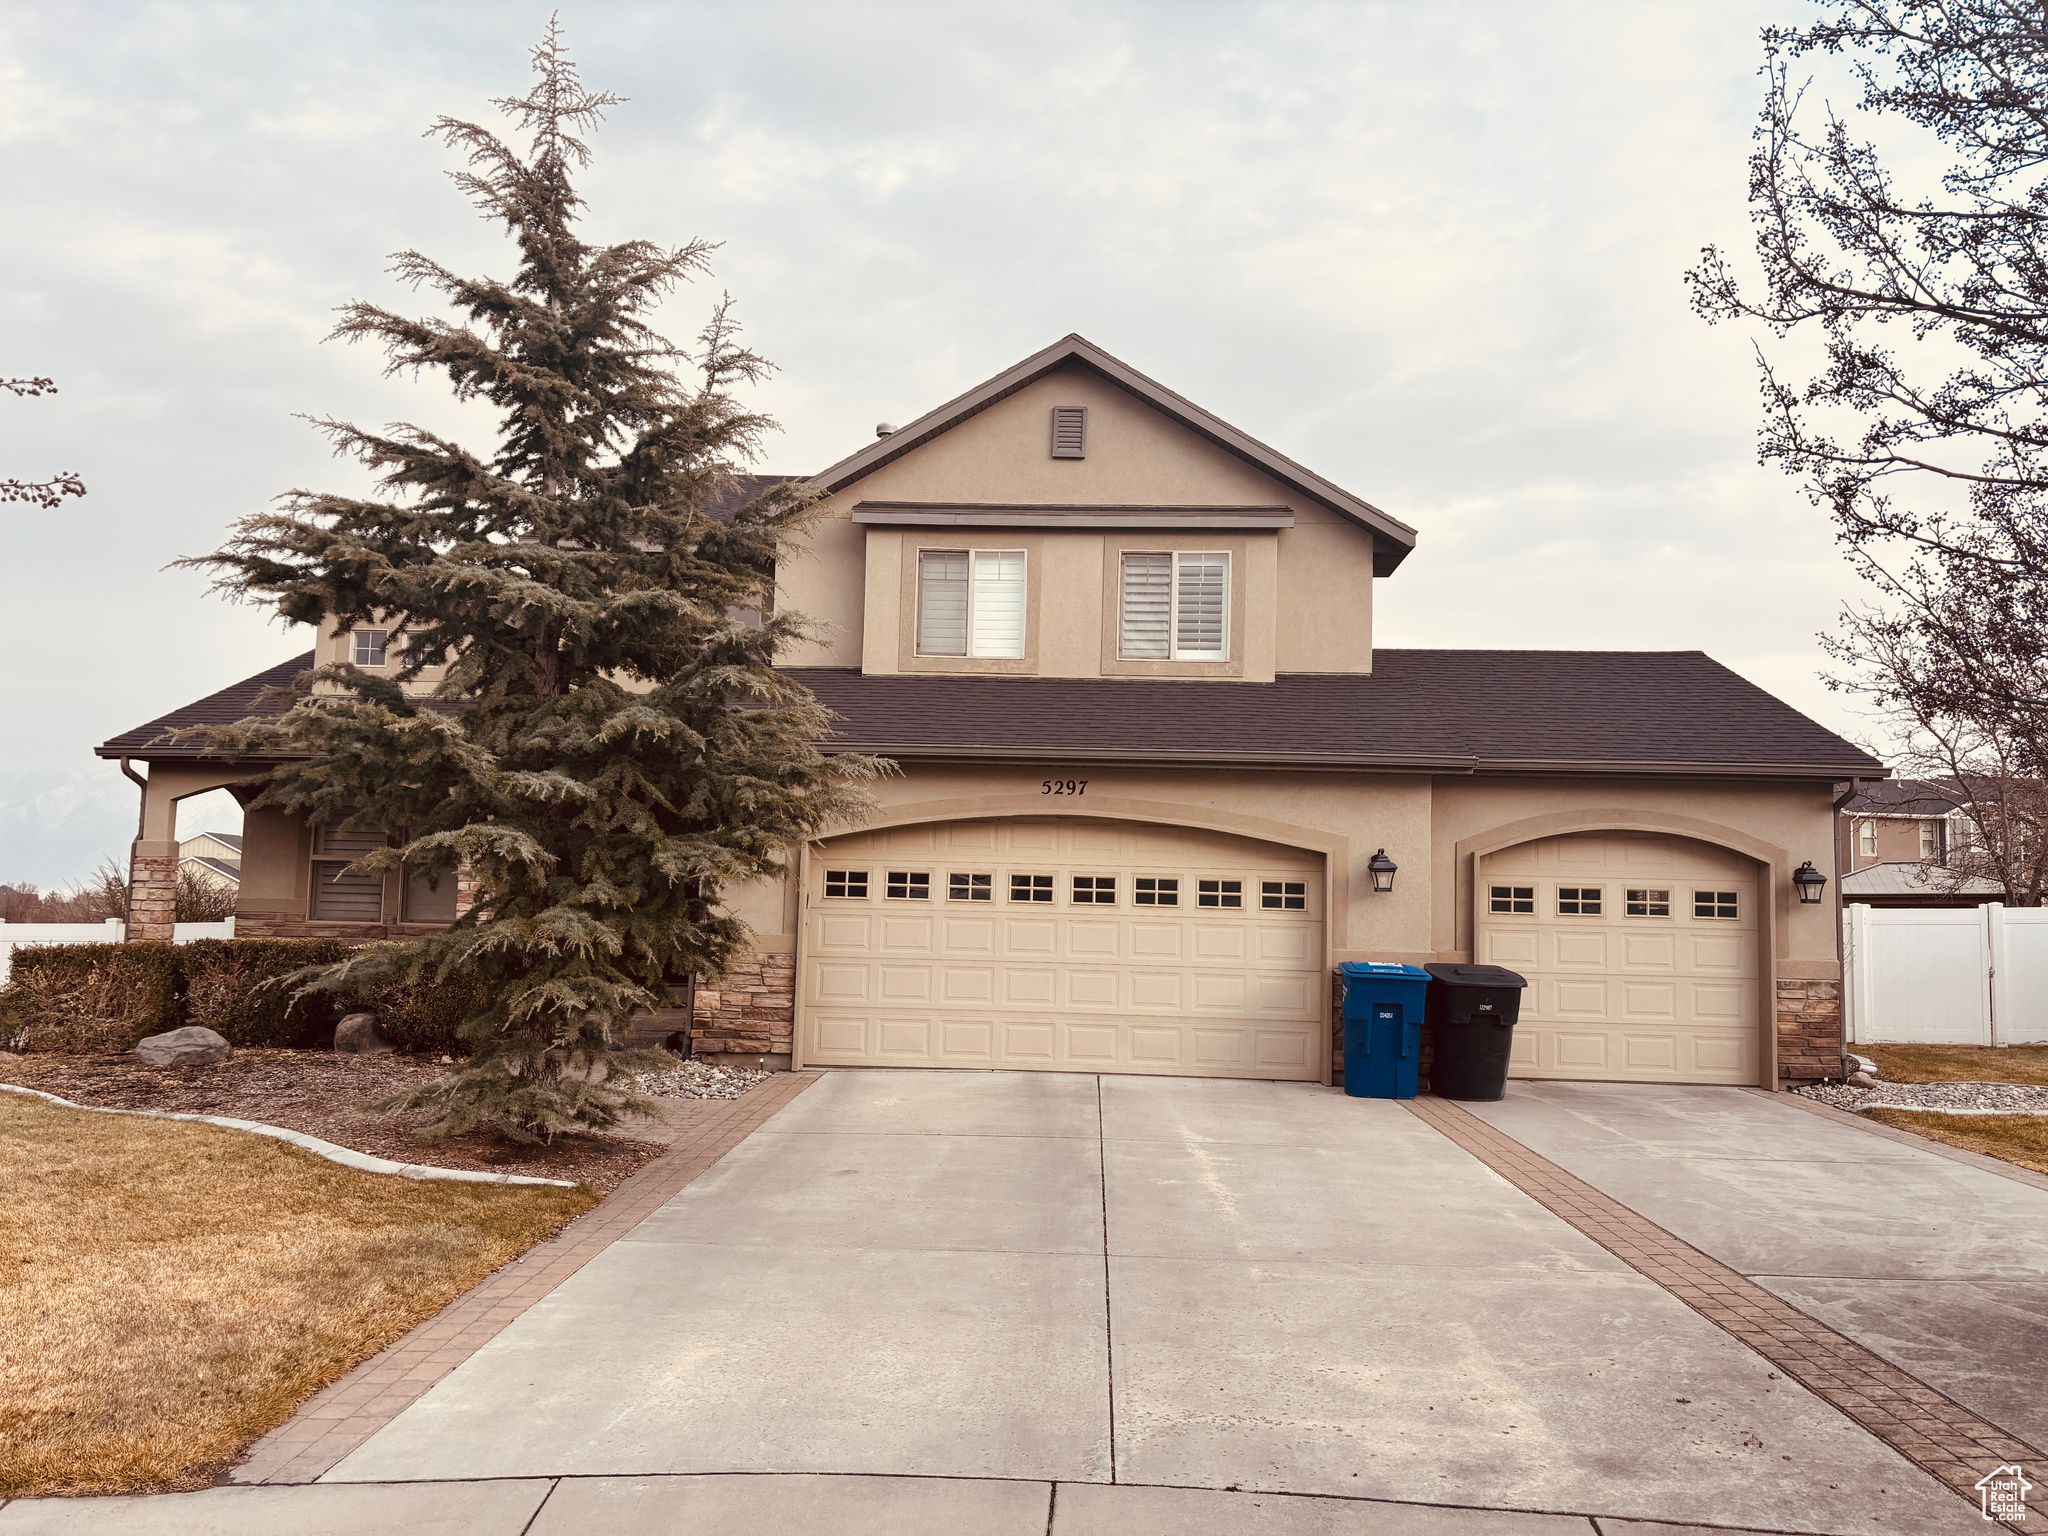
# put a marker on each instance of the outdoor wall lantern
(1811, 882)
(1382, 868)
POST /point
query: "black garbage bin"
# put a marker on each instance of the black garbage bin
(1471, 1011)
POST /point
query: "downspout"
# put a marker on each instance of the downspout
(142, 812)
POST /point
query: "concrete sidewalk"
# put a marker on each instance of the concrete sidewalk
(970, 1302)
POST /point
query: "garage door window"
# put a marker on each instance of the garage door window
(849, 884)
(1151, 891)
(1578, 901)
(1219, 893)
(1512, 898)
(1714, 904)
(970, 602)
(970, 887)
(908, 885)
(1031, 888)
(1095, 890)
(1283, 895)
(1647, 903)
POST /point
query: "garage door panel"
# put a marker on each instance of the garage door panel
(1169, 987)
(1658, 985)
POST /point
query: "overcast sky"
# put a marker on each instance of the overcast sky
(1432, 250)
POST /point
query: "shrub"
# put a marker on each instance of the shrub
(94, 998)
(86, 998)
(232, 986)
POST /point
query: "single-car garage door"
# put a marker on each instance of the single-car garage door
(1065, 944)
(1641, 954)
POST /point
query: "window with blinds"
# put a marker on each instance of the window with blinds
(341, 897)
(1176, 606)
(970, 602)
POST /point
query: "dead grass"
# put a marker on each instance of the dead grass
(170, 1291)
(2021, 1139)
(1960, 1063)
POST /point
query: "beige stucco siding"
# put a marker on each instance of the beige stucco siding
(1302, 598)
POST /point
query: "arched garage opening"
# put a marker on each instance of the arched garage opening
(1644, 953)
(1065, 943)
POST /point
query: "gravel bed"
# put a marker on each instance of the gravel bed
(699, 1080)
(1950, 1098)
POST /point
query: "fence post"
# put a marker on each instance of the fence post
(1856, 969)
(1997, 943)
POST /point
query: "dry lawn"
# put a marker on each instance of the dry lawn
(1960, 1063)
(2021, 1139)
(170, 1291)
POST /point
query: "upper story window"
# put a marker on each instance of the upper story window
(970, 602)
(1866, 840)
(369, 647)
(1930, 840)
(1176, 606)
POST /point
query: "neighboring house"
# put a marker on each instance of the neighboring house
(215, 857)
(1158, 782)
(1894, 838)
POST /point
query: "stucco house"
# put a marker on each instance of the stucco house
(1158, 783)
(1896, 840)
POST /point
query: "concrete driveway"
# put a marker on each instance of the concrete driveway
(995, 1302)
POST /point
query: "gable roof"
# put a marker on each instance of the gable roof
(1907, 797)
(237, 702)
(1392, 538)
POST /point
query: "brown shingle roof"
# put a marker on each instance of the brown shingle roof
(1436, 711)
(1460, 711)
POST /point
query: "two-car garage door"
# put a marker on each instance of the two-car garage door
(1065, 944)
(1641, 953)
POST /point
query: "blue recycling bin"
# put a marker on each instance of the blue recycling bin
(1382, 1028)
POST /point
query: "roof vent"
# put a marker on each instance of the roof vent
(1069, 431)
(884, 428)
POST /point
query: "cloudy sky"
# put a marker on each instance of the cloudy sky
(1432, 250)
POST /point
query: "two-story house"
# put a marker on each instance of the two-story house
(1158, 782)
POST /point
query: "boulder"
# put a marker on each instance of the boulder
(360, 1035)
(1862, 1080)
(192, 1046)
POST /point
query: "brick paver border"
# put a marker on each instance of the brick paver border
(1928, 1428)
(346, 1413)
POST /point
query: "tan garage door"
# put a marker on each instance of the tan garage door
(1641, 954)
(1065, 944)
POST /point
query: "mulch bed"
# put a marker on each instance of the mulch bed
(322, 1094)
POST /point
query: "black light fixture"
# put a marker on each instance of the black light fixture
(1382, 868)
(1810, 883)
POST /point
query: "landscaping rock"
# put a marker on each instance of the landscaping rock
(192, 1046)
(360, 1035)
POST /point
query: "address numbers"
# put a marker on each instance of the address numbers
(1063, 787)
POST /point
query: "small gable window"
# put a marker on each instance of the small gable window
(970, 602)
(369, 647)
(1176, 606)
(1070, 431)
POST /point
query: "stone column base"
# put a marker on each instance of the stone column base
(152, 896)
(748, 1016)
(1809, 1022)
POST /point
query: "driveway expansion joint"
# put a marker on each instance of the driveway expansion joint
(1924, 1425)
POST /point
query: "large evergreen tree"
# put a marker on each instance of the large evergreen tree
(611, 746)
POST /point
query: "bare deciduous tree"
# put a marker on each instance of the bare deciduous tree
(47, 494)
(1923, 429)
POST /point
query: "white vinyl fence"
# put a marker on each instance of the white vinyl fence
(15, 936)
(1945, 975)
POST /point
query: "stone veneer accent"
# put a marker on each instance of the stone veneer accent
(152, 897)
(1809, 1017)
(749, 1011)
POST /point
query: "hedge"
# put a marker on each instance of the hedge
(87, 999)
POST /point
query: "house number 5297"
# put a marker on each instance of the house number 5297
(1063, 787)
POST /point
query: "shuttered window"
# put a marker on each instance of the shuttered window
(970, 602)
(339, 897)
(1176, 606)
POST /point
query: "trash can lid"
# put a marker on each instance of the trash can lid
(1383, 970)
(1476, 975)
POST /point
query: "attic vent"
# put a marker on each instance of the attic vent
(1069, 431)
